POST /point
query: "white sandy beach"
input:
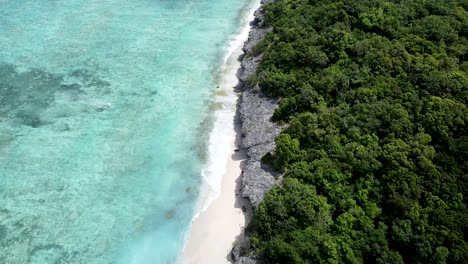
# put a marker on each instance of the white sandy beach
(217, 228)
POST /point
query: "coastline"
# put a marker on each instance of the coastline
(217, 231)
(258, 132)
(215, 228)
(255, 112)
(223, 212)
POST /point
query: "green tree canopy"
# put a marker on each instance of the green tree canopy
(375, 153)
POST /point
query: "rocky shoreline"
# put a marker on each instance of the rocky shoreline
(258, 131)
(255, 111)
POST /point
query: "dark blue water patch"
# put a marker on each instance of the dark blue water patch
(50, 253)
(3, 233)
(88, 78)
(17, 232)
(24, 96)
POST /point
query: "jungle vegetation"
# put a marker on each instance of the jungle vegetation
(374, 96)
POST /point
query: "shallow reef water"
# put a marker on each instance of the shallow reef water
(102, 104)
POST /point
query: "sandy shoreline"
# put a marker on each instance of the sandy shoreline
(221, 225)
(216, 229)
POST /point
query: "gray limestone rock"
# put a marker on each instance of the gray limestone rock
(258, 151)
(247, 260)
(259, 134)
(255, 114)
(236, 253)
(258, 131)
(249, 66)
(256, 181)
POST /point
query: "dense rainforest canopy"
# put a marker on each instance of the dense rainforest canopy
(375, 154)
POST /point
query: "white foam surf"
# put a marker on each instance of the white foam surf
(223, 134)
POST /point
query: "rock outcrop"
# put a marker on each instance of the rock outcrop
(258, 138)
(258, 131)
(255, 112)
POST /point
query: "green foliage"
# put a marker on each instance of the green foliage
(376, 152)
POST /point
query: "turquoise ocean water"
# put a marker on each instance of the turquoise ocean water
(103, 123)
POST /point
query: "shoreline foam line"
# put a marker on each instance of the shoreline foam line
(222, 133)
